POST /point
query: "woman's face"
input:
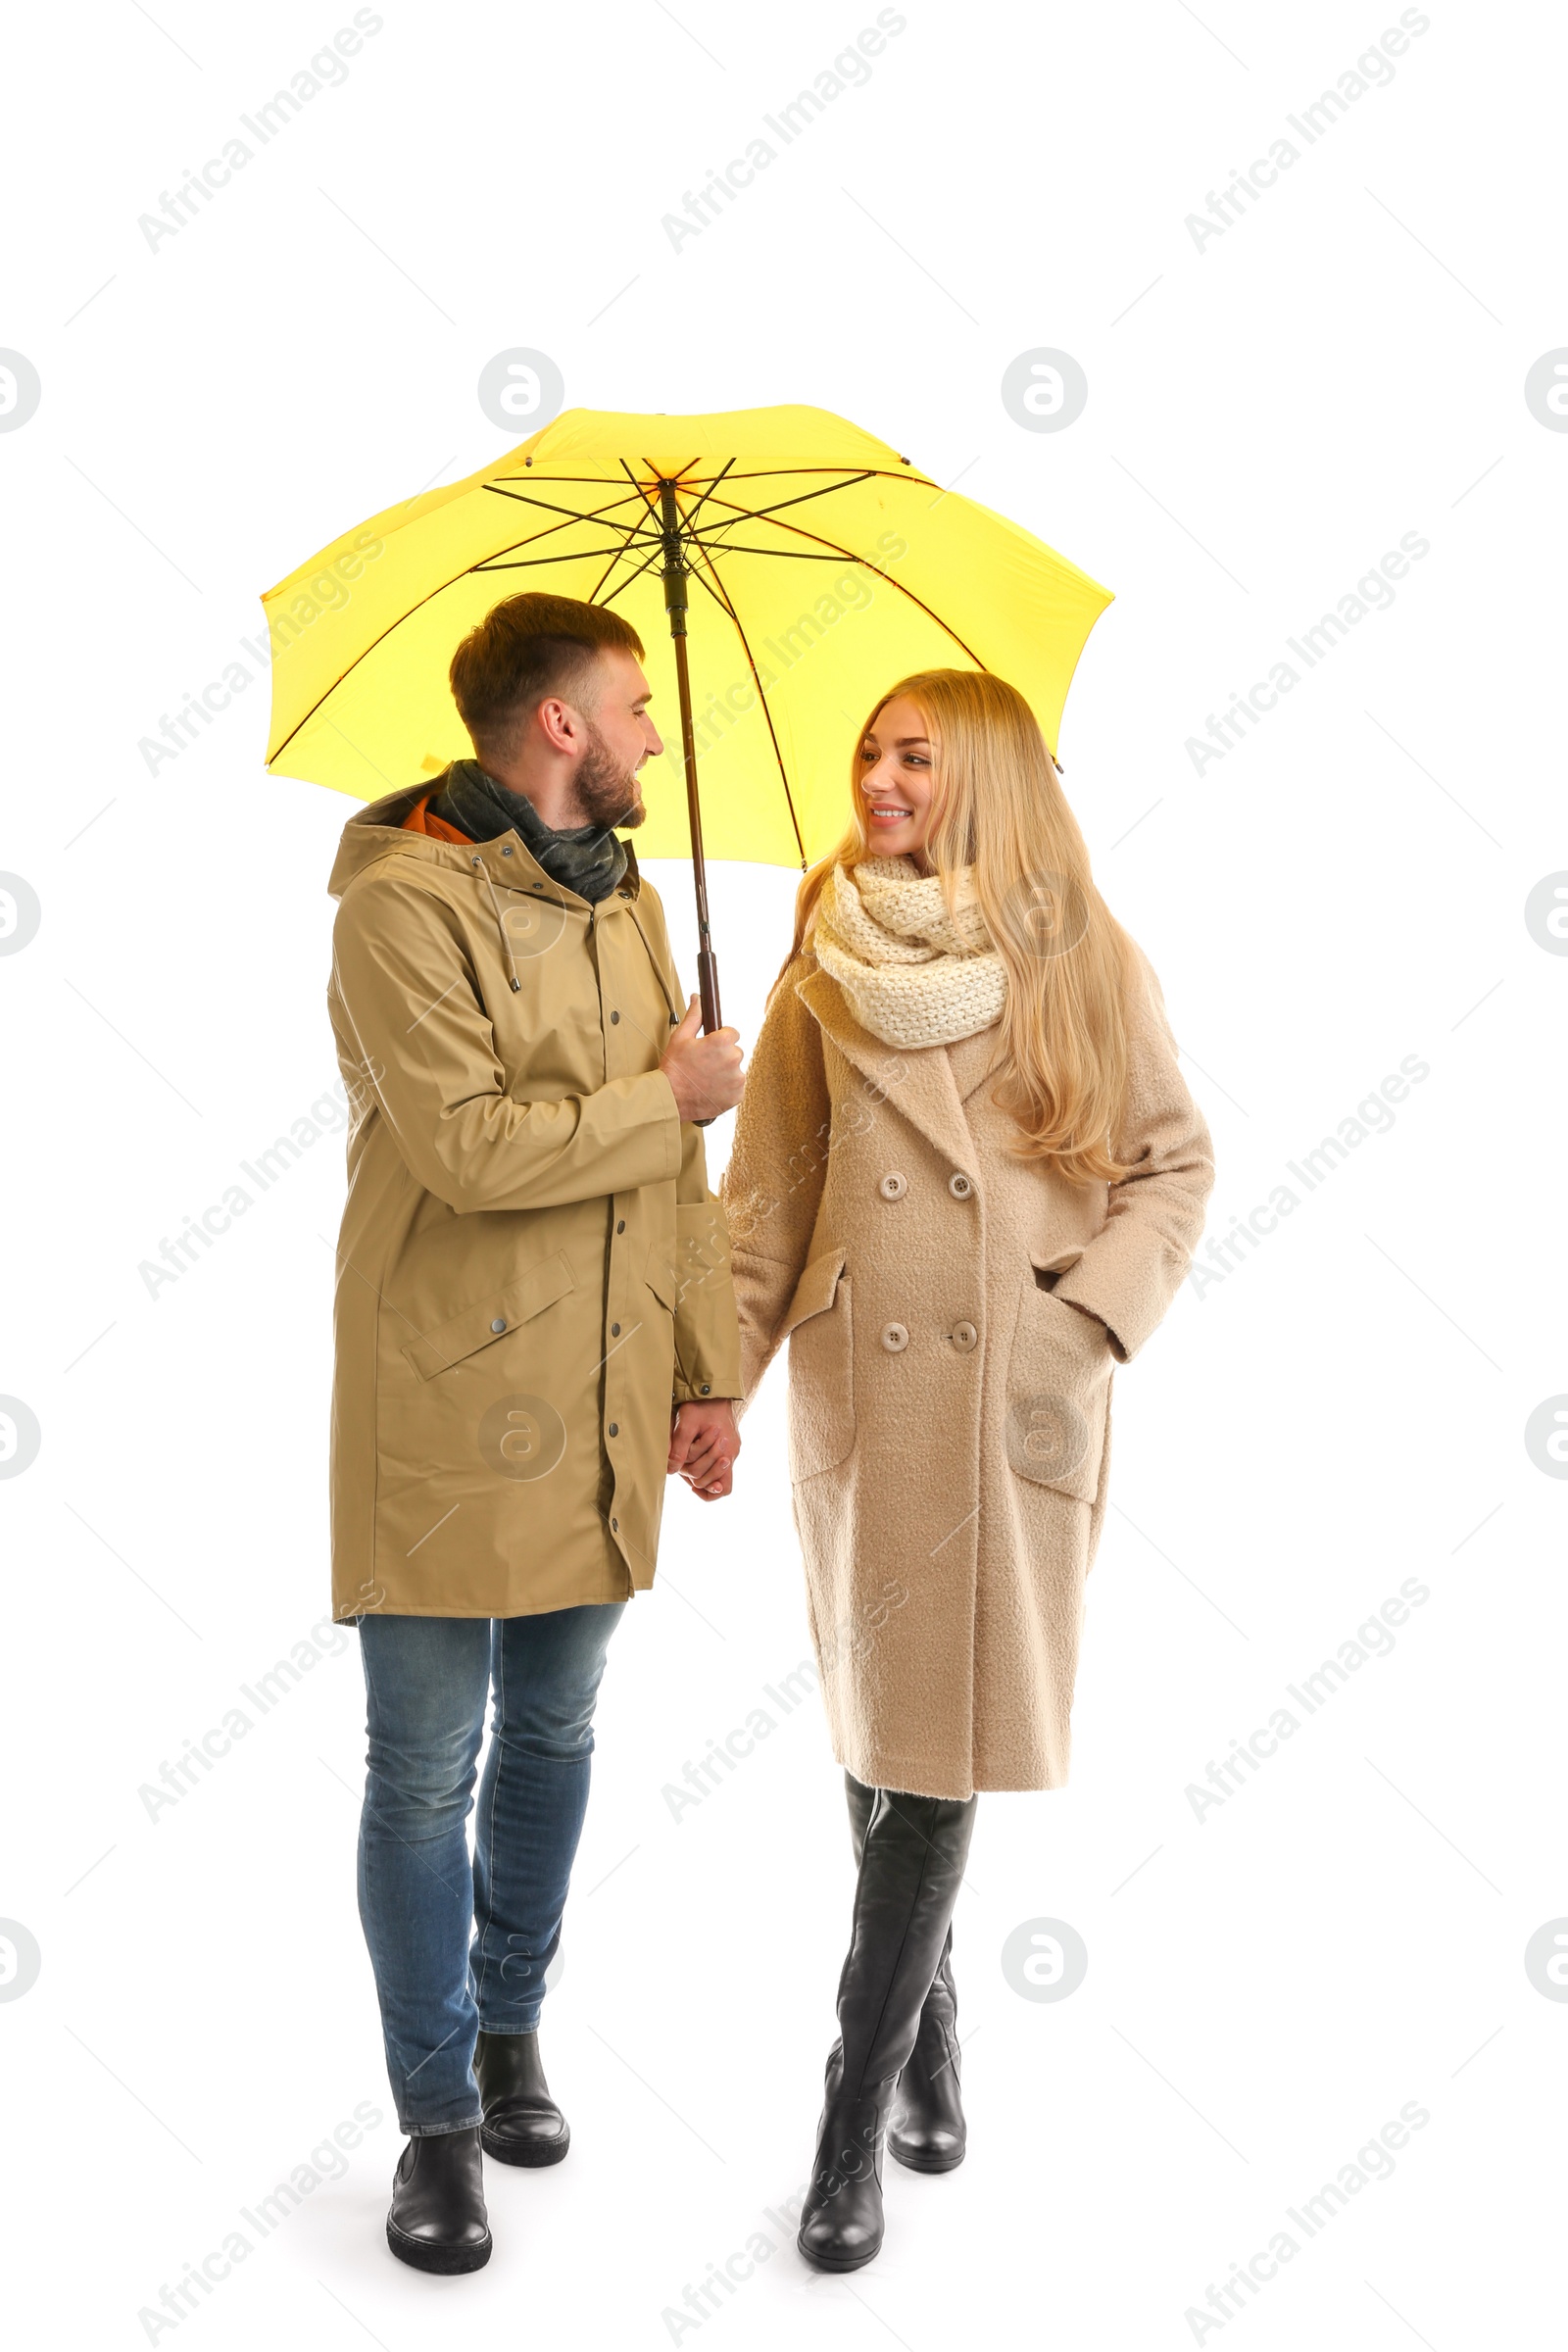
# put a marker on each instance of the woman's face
(896, 780)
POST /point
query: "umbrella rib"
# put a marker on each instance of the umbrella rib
(599, 515)
(850, 557)
(721, 595)
(569, 554)
(688, 521)
(626, 582)
(781, 555)
(785, 474)
(326, 692)
(825, 490)
(637, 486)
(527, 498)
(469, 572)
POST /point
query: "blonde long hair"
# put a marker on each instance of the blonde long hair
(998, 805)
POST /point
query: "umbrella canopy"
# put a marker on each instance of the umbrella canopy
(818, 567)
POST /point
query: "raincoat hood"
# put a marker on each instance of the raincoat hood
(382, 831)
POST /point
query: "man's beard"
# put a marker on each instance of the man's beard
(607, 792)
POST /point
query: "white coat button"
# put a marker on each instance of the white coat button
(893, 1337)
(893, 1187)
(500, 1323)
(966, 1335)
(959, 1185)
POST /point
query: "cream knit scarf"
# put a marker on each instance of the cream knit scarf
(913, 974)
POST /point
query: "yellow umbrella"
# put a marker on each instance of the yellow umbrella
(781, 567)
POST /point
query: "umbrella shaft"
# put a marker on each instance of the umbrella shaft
(707, 965)
(676, 605)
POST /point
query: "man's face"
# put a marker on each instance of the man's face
(621, 737)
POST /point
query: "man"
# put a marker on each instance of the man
(533, 1322)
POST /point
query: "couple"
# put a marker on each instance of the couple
(967, 1180)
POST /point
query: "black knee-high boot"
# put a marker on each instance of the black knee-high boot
(926, 2130)
(913, 1853)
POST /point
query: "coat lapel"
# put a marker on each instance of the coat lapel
(973, 1060)
(918, 1084)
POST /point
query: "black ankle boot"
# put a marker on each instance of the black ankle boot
(523, 2125)
(913, 1853)
(437, 2220)
(926, 2130)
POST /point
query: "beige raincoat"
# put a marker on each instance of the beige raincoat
(531, 1268)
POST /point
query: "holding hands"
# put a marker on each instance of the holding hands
(703, 1443)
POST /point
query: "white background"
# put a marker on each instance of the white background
(1343, 1411)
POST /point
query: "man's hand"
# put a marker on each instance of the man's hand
(704, 1442)
(703, 1072)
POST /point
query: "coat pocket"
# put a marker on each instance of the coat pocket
(490, 1319)
(1058, 1389)
(658, 1273)
(696, 1262)
(821, 1412)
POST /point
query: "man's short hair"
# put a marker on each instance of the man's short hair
(524, 649)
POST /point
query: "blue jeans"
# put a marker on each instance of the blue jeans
(426, 1683)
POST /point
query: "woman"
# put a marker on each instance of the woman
(967, 1180)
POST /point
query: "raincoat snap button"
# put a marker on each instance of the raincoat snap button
(615, 1429)
(705, 1388)
(961, 1186)
(615, 1016)
(620, 1225)
(964, 1336)
(893, 1337)
(893, 1187)
(506, 852)
(615, 1331)
(500, 1323)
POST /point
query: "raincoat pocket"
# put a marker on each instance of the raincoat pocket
(658, 1273)
(490, 1319)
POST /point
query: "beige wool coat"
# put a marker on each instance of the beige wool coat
(948, 1410)
(531, 1269)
